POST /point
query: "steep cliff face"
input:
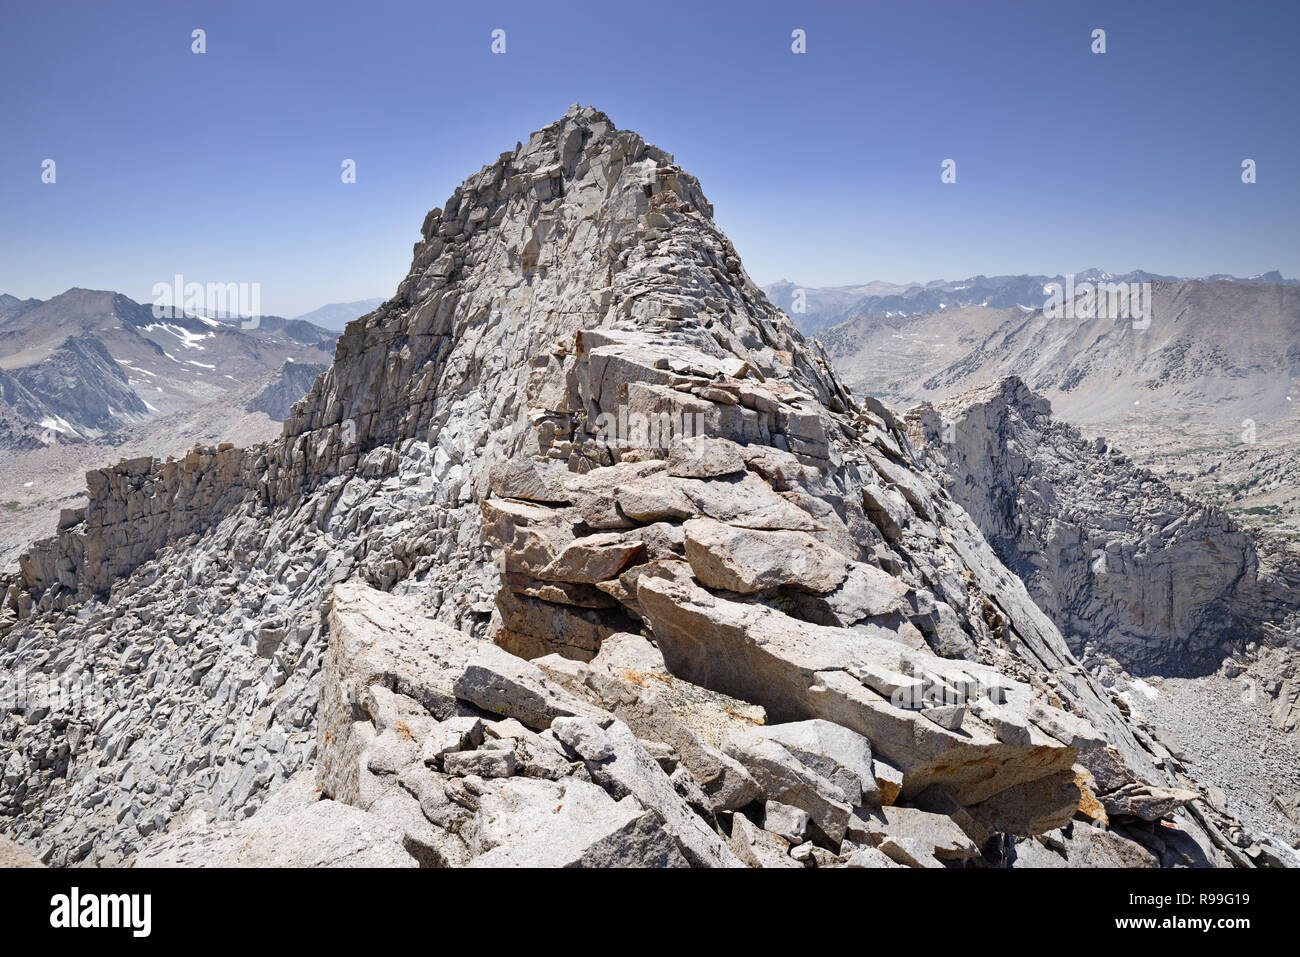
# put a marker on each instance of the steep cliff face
(1123, 564)
(578, 426)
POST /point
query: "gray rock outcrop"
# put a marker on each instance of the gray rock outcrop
(515, 551)
(1123, 564)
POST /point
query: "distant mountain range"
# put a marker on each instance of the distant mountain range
(1228, 350)
(336, 315)
(86, 362)
(830, 305)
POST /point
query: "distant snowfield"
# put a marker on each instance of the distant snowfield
(190, 340)
(58, 424)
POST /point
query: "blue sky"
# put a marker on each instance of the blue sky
(824, 168)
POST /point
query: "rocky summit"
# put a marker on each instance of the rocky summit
(577, 555)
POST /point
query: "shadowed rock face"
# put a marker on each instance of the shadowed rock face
(1123, 564)
(500, 452)
(76, 389)
(284, 387)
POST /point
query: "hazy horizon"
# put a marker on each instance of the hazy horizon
(308, 313)
(824, 167)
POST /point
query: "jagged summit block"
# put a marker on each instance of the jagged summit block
(572, 422)
(584, 227)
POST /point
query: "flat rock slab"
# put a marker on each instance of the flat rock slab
(1147, 802)
(323, 834)
(594, 558)
(940, 835)
(526, 822)
(747, 560)
(499, 682)
(705, 457)
(798, 671)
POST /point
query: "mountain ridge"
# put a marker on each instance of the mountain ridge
(132, 365)
(467, 517)
(824, 307)
(1224, 350)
